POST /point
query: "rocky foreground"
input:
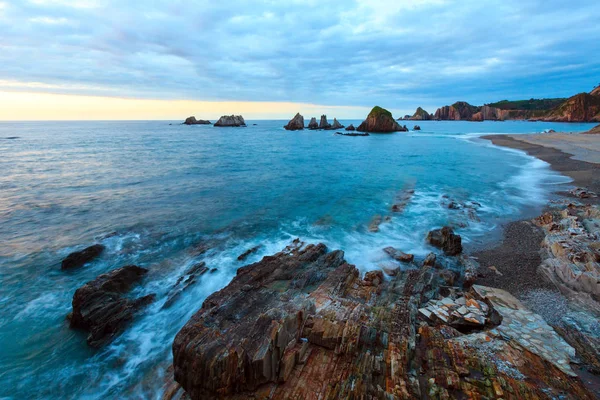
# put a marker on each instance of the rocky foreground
(304, 324)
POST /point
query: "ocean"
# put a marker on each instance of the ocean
(152, 192)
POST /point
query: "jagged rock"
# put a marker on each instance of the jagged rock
(245, 255)
(350, 128)
(419, 115)
(101, 308)
(303, 324)
(313, 123)
(446, 240)
(194, 121)
(80, 258)
(296, 123)
(399, 255)
(230, 120)
(430, 260)
(323, 124)
(336, 125)
(416, 128)
(583, 107)
(184, 282)
(380, 120)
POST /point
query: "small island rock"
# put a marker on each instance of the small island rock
(193, 121)
(230, 120)
(296, 123)
(313, 123)
(324, 124)
(80, 258)
(380, 120)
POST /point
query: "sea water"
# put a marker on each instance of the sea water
(150, 192)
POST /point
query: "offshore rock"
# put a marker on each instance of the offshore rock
(296, 123)
(302, 324)
(313, 123)
(446, 240)
(350, 128)
(336, 125)
(194, 121)
(230, 120)
(419, 115)
(416, 128)
(80, 258)
(380, 120)
(101, 308)
(324, 124)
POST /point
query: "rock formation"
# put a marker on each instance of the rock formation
(416, 128)
(184, 282)
(380, 120)
(80, 258)
(352, 134)
(583, 107)
(302, 324)
(101, 308)
(313, 123)
(420, 115)
(194, 121)
(350, 128)
(594, 130)
(324, 124)
(446, 240)
(230, 120)
(336, 125)
(296, 123)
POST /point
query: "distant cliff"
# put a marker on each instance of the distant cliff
(583, 107)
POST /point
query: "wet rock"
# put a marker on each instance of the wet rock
(416, 128)
(402, 199)
(245, 254)
(350, 128)
(188, 279)
(582, 193)
(375, 222)
(194, 121)
(230, 121)
(313, 124)
(380, 120)
(352, 134)
(296, 123)
(101, 308)
(399, 255)
(80, 258)
(446, 240)
(430, 260)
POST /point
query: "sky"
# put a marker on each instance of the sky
(109, 59)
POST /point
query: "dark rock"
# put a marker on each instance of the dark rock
(350, 128)
(313, 123)
(352, 134)
(194, 121)
(446, 240)
(324, 124)
(416, 128)
(399, 255)
(80, 258)
(296, 123)
(230, 120)
(185, 281)
(245, 255)
(430, 260)
(336, 125)
(100, 308)
(420, 115)
(380, 120)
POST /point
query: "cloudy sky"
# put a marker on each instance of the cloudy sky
(344, 56)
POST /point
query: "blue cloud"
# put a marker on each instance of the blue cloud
(399, 53)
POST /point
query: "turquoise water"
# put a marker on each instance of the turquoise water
(150, 191)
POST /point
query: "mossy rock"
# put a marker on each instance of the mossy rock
(377, 111)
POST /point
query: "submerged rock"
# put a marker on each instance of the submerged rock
(188, 279)
(101, 308)
(446, 240)
(352, 134)
(230, 120)
(80, 258)
(194, 121)
(313, 123)
(380, 120)
(245, 254)
(399, 255)
(296, 123)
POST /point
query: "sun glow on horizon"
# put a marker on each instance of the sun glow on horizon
(37, 106)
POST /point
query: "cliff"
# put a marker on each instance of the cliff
(583, 107)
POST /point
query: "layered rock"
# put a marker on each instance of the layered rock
(323, 124)
(419, 115)
(185, 281)
(296, 123)
(460, 110)
(194, 121)
(313, 124)
(80, 258)
(230, 121)
(302, 324)
(445, 239)
(101, 307)
(380, 120)
(582, 107)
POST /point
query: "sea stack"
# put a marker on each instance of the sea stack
(296, 123)
(230, 120)
(324, 124)
(420, 115)
(380, 120)
(313, 123)
(336, 125)
(193, 121)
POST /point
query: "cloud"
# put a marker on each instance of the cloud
(399, 54)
